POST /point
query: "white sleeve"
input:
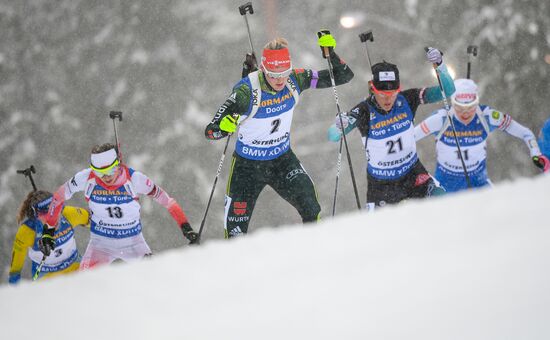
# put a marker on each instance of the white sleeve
(430, 125)
(517, 130)
(76, 184)
(141, 183)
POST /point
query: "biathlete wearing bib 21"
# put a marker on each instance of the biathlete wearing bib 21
(263, 155)
(394, 171)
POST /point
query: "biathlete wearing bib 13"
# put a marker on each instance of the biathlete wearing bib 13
(394, 172)
(263, 155)
(116, 229)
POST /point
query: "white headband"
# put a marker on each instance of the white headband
(104, 159)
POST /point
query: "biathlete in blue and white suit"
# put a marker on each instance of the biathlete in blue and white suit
(262, 104)
(473, 123)
(112, 191)
(385, 121)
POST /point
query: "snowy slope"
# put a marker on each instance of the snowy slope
(469, 266)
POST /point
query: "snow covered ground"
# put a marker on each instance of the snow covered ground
(470, 266)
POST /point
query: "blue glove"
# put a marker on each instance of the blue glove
(14, 278)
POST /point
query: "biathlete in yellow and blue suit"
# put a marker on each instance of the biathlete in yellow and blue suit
(65, 257)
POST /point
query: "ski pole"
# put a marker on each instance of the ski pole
(250, 64)
(39, 269)
(326, 55)
(243, 9)
(114, 115)
(447, 110)
(471, 50)
(28, 173)
(364, 37)
(220, 165)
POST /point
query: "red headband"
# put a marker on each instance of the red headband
(276, 60)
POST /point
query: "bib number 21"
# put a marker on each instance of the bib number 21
(394, 146)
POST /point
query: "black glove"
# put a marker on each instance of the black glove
(189, 233)
(250, 64)
(542, 163)
(46, 244)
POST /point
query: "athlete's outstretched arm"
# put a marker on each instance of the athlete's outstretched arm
(519, 131)
(144, 185)
(433, 94)
(65, 192)
(77, 216)
(349, 119)
(430, 125)
(236, 103)
(23, 240)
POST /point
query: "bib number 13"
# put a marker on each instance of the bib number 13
(114, 212)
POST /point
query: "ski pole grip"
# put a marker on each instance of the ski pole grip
(366, 36)
(246, 8)
(28, 171)
(115, 114)
(472, 49)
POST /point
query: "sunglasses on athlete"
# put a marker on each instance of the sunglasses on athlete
(277, 75)
(109, 170)
(386, 93)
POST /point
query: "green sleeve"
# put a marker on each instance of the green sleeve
(321, 79)
(237, 103)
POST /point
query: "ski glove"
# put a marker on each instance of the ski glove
(249, 65)
(338, 122)
(434, 56)
(14, 278)
(542, 162)
(46, 244)
(348, 121)
(229, 123)
(326, 40)
(189, 233)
